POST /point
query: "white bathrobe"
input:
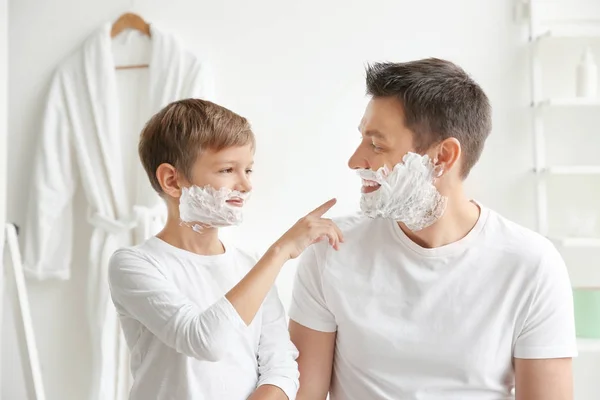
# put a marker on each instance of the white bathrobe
(79, 142)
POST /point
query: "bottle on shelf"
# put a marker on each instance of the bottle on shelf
(587, 76)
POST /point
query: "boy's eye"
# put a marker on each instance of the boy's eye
(249, 171)
(226, 171)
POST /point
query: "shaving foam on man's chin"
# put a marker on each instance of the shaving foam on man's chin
(207, 207)
(406, 193)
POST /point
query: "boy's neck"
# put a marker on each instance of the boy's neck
(205, 242)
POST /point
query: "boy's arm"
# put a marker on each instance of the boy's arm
(277, 367)
(268, 392)
(249, 294)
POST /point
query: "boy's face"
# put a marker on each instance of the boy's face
(230, 168)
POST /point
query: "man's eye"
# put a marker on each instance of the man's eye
(376, 148)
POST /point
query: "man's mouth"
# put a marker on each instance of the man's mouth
(236, 202)
(369, 186)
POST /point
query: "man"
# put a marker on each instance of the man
(431, 295)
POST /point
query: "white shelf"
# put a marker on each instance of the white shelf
(577, 241)
(568, 102)
(570, 170)
(572, 32)
(588, 345)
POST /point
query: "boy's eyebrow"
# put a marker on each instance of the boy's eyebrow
(231, 162)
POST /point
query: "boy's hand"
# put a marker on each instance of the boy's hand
(310, 229)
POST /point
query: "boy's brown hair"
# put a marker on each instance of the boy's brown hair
(179, 133)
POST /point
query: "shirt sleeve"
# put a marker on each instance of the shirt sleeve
(276, 353)
(142, 292)
(549, 327)
(308, 306)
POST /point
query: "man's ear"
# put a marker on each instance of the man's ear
(446, 156)
(167, 177)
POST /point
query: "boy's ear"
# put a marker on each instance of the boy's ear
(166, 174)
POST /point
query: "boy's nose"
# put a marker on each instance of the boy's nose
(244, 185)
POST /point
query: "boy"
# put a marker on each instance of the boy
(201, 318)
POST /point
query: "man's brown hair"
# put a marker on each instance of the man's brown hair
(179, 133)
(440, 101)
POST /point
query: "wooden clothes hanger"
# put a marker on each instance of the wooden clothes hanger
(130, 21)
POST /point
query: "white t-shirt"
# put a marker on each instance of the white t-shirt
(186, 339)
(440, 323)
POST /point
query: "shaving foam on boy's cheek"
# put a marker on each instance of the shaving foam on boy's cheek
(206, 207)
(407, 193)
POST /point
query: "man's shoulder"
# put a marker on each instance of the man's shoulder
(511, 237)
(353, 223)
(356, 229)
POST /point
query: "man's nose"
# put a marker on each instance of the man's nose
(358, 161)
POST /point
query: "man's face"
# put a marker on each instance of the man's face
(385, 138)
(229, 168)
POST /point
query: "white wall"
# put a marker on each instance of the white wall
(3, 135)
(295, 69)
(3, 114)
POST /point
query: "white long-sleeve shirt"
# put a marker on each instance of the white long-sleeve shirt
(186, 339)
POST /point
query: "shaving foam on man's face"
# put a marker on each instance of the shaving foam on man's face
(220, 188)
(405, 193)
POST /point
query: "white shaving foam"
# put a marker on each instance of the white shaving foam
(407, 193)
(207, 207)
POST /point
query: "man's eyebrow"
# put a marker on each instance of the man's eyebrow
(375, 134)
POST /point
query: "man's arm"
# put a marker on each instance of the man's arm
(545, 379)
(313, 326)
(315, 361)
(546, 342)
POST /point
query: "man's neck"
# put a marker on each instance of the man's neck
(460, 217)
(204, 242)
